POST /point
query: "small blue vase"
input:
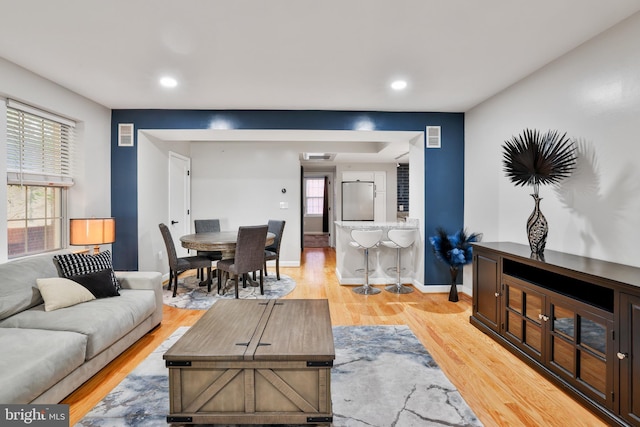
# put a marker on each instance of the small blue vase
(453, 291)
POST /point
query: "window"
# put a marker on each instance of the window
(34, 219)
(314, 196)
(39, 159)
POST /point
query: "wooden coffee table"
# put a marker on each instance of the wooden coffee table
(254, 362)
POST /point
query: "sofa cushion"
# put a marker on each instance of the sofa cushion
(43, 358)
(18, 287)
(76, 264)
(98, 283)
(103, 321)
(59, 292)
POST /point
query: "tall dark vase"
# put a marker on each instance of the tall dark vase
(453, 292)
(537, 228)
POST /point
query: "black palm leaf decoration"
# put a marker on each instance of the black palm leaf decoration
(532, 158)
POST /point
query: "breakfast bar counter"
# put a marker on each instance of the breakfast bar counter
(349, 258)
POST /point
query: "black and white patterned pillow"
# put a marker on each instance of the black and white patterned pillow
(76, 264)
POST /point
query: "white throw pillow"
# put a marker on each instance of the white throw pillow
(59, 292)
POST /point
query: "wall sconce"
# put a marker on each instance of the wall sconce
(92, 231)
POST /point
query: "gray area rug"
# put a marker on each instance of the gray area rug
(195, 297)
(382, 377)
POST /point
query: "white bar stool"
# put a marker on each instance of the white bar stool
(399, 239)
(366, 239)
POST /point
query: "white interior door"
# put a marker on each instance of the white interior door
(179, 221)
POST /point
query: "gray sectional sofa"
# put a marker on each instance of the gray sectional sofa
(46, 355)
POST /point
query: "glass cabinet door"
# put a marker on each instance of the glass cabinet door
(579, 347)
(523, 314)
(563, 339)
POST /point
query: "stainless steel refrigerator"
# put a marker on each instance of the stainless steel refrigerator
(358, 200)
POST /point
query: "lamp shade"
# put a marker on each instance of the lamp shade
(92, 231)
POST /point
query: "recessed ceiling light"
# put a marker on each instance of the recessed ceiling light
(398, 85)
(168, 82)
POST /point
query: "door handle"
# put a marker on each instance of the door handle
(622, 355)
(173, 222)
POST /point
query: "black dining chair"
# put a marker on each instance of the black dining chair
(249, 256)
(207, 226)
(179, 265)
(272, 252)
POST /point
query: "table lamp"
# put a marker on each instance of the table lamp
(92, 231)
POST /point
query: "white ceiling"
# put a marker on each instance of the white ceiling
(296, 54)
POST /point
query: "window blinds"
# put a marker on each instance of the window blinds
(39, 147)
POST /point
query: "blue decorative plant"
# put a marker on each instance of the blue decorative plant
(455, 250)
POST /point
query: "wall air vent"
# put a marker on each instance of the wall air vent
(125, 134)
(433, 137)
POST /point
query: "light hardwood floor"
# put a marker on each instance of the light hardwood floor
(500, 389)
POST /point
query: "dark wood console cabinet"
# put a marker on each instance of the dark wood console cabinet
(574, 319)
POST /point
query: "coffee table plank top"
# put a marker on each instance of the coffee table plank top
(298, 330)
(276, 330)
(222, 333)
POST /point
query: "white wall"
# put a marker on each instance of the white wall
(312, 225)
(91, 194)
(153, 201)
(241, 183)
(416, 205)
(593, 94)
(238, 183)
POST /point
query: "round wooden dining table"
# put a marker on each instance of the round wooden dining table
(223, 241)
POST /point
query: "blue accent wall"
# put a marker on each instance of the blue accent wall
(444, 167)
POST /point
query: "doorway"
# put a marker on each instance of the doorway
(317, 208)
(179, 198)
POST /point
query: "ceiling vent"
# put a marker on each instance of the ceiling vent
(318, 156)
(125, 135)
(433, 137)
